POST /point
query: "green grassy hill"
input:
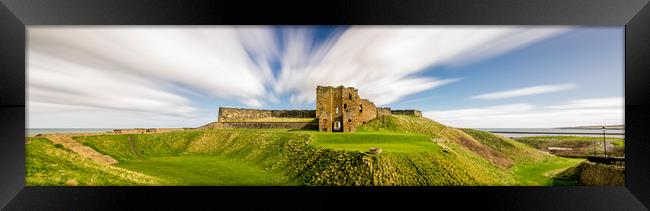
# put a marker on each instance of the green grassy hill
(416, 151)
(49, 164)
(403, 124)
(532, 167)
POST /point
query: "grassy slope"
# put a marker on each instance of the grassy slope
(533, 167)
(529, 166)
(410, 156)
(292, 155)
(145, 145)
(49, 164)
(418, 155)
(403, 124)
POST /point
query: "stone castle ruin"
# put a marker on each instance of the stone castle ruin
(338, 109)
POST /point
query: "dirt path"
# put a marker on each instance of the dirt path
(80, 149)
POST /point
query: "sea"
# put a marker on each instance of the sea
(523, 132)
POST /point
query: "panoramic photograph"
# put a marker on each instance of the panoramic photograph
(325, 106)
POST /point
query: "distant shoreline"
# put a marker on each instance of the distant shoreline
(607, 127)
(522, 132)
(550, 133)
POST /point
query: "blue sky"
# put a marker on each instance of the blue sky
(590, 58)
(463, 76)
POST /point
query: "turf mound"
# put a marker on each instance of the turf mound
(52, 164)
(495, 156)
(416, 151)
(403, 124)
(291, 154)
(420, 125)
(516, 151)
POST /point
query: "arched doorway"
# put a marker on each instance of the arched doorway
(337, 127)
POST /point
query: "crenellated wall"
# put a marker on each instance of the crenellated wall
(243, 114)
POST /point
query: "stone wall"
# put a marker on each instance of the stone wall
(367, 112)
(596, 174)
(239, 114)
(383, 112)
(340, 109)
(144, 130)
(262, 125)
(407, 112)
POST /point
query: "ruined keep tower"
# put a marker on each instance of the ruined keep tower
(340, 109)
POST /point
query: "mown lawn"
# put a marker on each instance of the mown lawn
(543, 172)
(204, 170)
(388, 142)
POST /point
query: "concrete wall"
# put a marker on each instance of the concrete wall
(406, 112)
(238, 114)
(262, 125)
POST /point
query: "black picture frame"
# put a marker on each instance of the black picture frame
(15, 15)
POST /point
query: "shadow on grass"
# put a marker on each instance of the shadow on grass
(568, 177)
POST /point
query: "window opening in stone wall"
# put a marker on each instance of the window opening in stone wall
(360, 108)
(350, 96)
(337, 110)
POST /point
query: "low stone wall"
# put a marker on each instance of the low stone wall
(234, 114)
(262, 125)
(383, 112)
(597, 174)
(144, 130)
(406, 112)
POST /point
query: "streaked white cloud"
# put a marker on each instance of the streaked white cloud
(211, 60)
(598, 111)
(615, 102)
(156, 73)
(136, 73)
(533, 90)
(384, 62)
